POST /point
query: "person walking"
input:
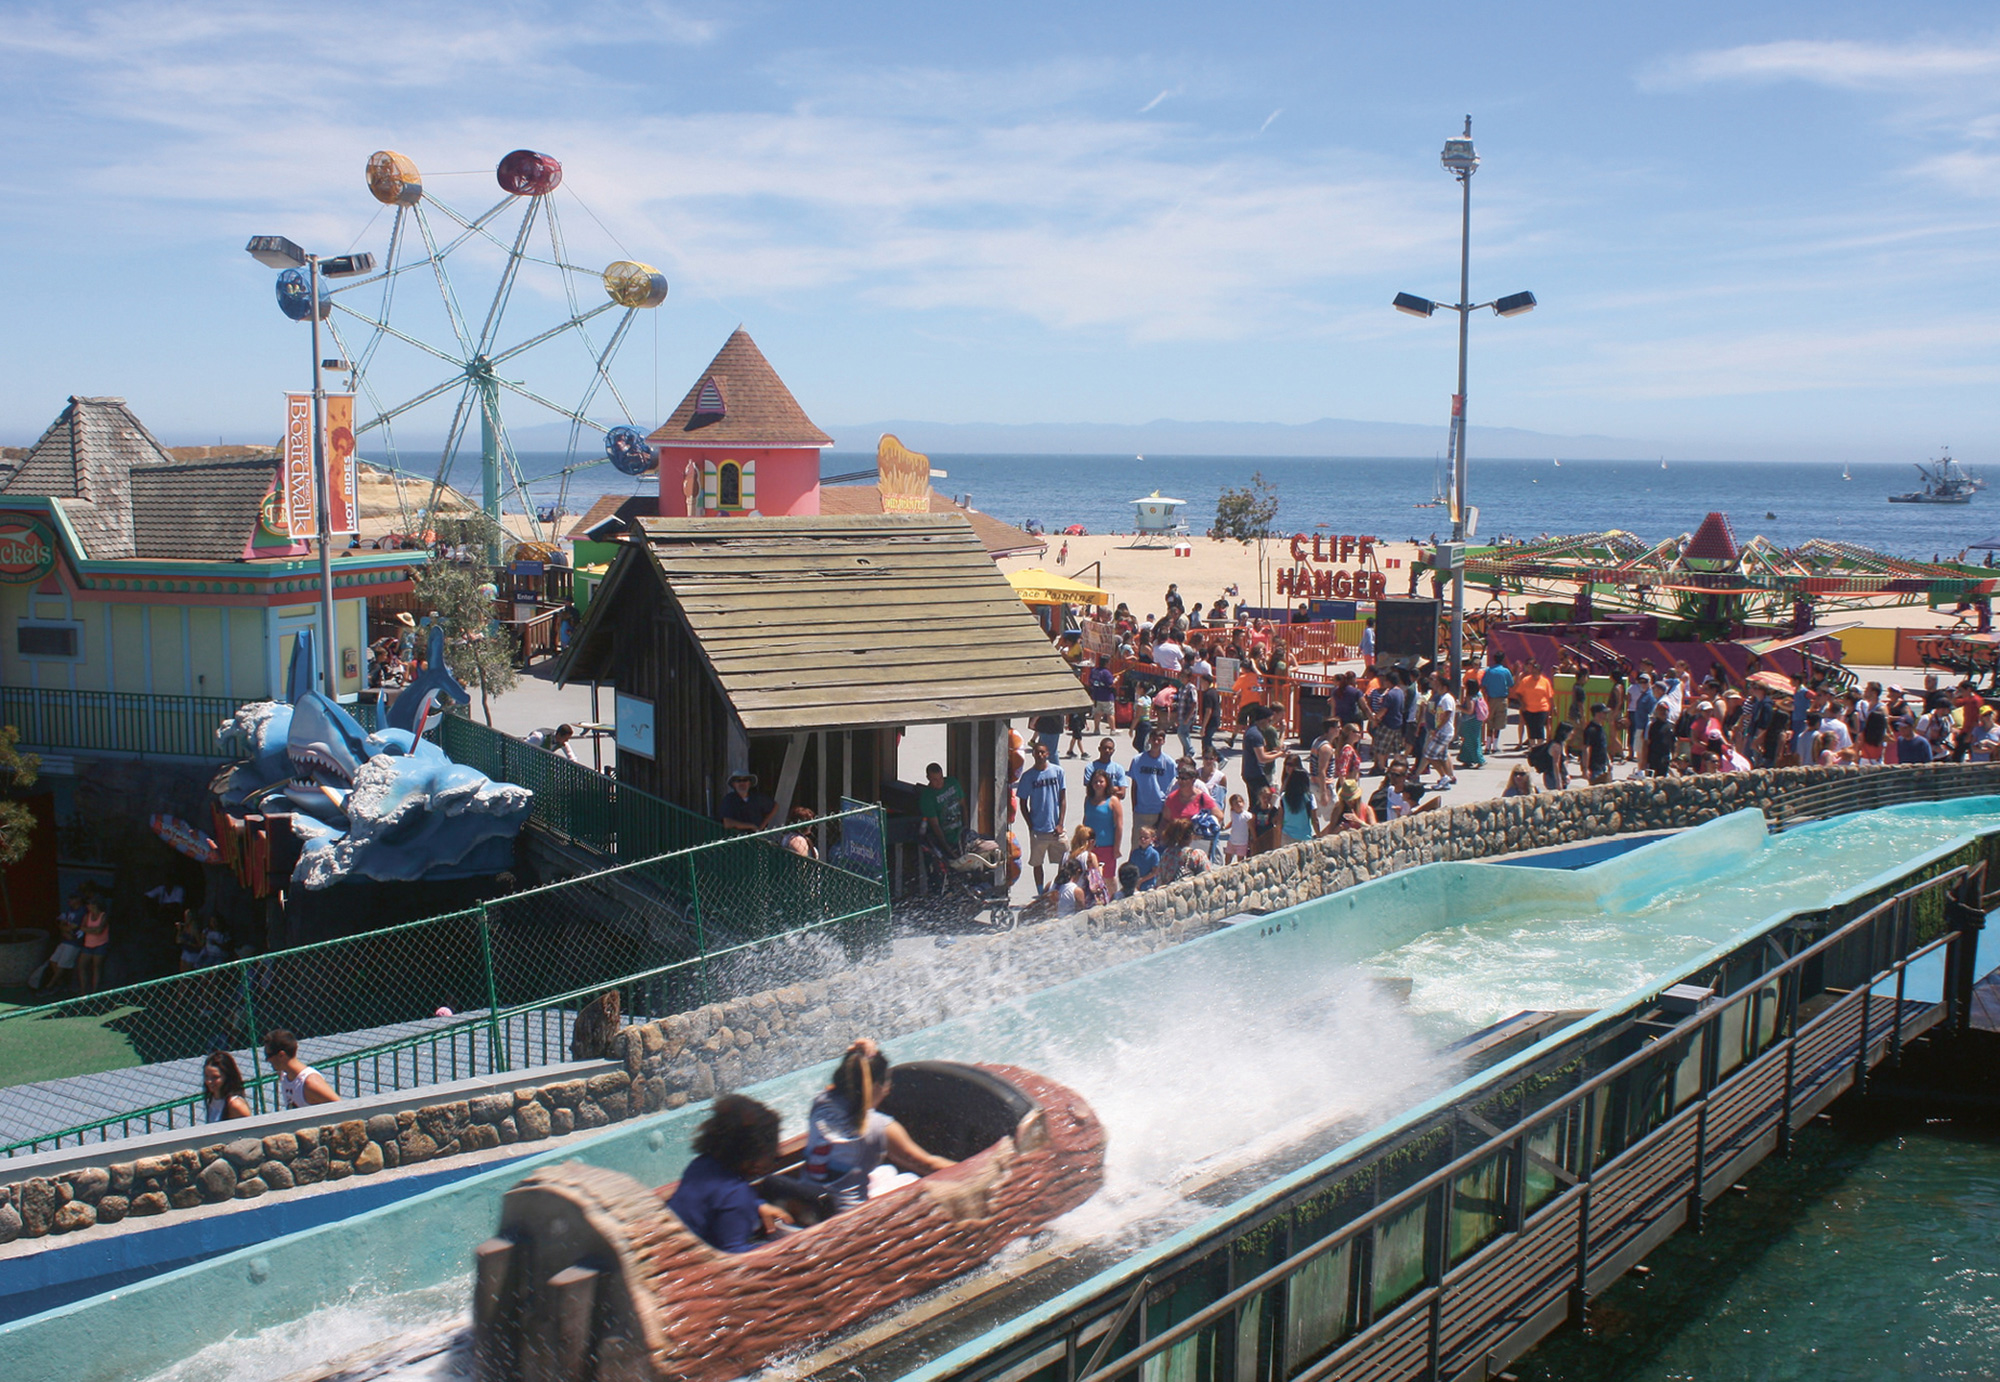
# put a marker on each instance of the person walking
(1497, 682)
(298, 1083)
(1152, 775)
(1043, 793)
(1443, 732)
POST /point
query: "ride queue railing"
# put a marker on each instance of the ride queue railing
(1425, 1261)
(116, 721)
(669, 933)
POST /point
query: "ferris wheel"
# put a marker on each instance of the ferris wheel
(518, 244)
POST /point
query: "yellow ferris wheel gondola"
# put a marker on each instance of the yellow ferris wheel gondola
(632, 284)
(393, 178)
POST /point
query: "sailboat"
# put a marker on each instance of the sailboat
(1843, 471)
(1663, 462)
(1440, 497)
(1558, 461)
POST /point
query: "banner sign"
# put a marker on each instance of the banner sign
(27, 549)
(1319, 573)
(295, 469)
(343, 493)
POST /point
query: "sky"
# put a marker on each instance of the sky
(1756, 231)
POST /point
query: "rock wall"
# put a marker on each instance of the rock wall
(692, 1056)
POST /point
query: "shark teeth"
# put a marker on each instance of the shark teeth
(312, 766)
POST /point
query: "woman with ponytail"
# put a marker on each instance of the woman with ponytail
(848, 1139)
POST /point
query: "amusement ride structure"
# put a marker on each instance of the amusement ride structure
(432, 241)
(1608, 598)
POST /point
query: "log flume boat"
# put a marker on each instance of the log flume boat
(592, 1276)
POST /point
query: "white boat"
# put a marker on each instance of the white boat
(1843, 473)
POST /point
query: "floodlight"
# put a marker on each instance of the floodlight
(1414, 305)
(337, 366)
(347, 265)
(1514, 305)
(275, 252)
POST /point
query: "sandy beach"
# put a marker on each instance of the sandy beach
(1139, 576)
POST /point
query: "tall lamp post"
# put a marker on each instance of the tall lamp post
(1461, 160)
(277, 252)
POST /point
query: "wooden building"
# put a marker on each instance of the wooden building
(124, 569)
(796, 649)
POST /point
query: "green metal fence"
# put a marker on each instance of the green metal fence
(576, 802)
(116, 721)
(487, 990)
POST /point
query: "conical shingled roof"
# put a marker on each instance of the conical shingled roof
(84, 461)
(1714, 541)
(756, 407)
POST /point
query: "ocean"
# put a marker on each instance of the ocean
(1788, 503)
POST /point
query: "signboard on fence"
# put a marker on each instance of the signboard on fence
(1406, 628)
(634, 725)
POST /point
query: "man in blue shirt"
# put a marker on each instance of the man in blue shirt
(1388, 735)
(1368, 641)
(1044, 797)
(1641, 714)
(1496, 682)
(1911, 747)
(1152, 779)
(1104, 763)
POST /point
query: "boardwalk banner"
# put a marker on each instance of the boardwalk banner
(343, 493)
(295, 469)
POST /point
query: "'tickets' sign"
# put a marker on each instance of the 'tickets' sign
(27, 549)
(1331, 581)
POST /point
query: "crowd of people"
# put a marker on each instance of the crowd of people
(1194, 688)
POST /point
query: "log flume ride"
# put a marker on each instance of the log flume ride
(592, 1277)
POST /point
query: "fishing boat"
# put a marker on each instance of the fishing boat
(1943, 483)
(592, 1276)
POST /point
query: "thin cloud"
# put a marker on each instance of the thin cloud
(1837, 63)
(1269, 118)
(1171, 91)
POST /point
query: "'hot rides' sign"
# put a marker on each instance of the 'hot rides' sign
(27, 549)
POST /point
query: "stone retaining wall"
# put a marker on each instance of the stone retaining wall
(692, 1056)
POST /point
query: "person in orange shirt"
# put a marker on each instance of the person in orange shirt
(1537, 695)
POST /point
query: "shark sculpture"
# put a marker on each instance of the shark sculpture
(387, 805)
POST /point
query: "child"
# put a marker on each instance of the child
(1147, 857)
(853, 1149)
(1239, 828)
(715, 1198)
(1128, 879)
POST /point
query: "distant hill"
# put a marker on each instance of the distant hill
(1166, 437)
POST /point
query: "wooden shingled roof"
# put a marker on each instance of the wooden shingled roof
(739, 401)
(844, 622)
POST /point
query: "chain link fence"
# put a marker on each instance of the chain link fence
(483, 991)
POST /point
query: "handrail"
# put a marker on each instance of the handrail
(226, 980)
(1496, 1143)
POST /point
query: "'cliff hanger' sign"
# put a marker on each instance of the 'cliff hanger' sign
(1330, 579)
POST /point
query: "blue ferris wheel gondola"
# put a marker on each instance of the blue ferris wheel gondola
(629, 451)
(294, 289)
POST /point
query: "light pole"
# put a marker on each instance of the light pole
(1460, 159)
(280, 253)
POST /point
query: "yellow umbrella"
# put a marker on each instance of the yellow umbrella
(1038, 587)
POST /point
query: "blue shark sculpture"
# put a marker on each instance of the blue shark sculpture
(387, 805)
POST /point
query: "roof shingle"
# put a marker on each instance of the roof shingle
(758, 410)
(844, 622)
(198, 510)
(83, 462)
(999, 539)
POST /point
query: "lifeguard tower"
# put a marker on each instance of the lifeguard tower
(1157, 520)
